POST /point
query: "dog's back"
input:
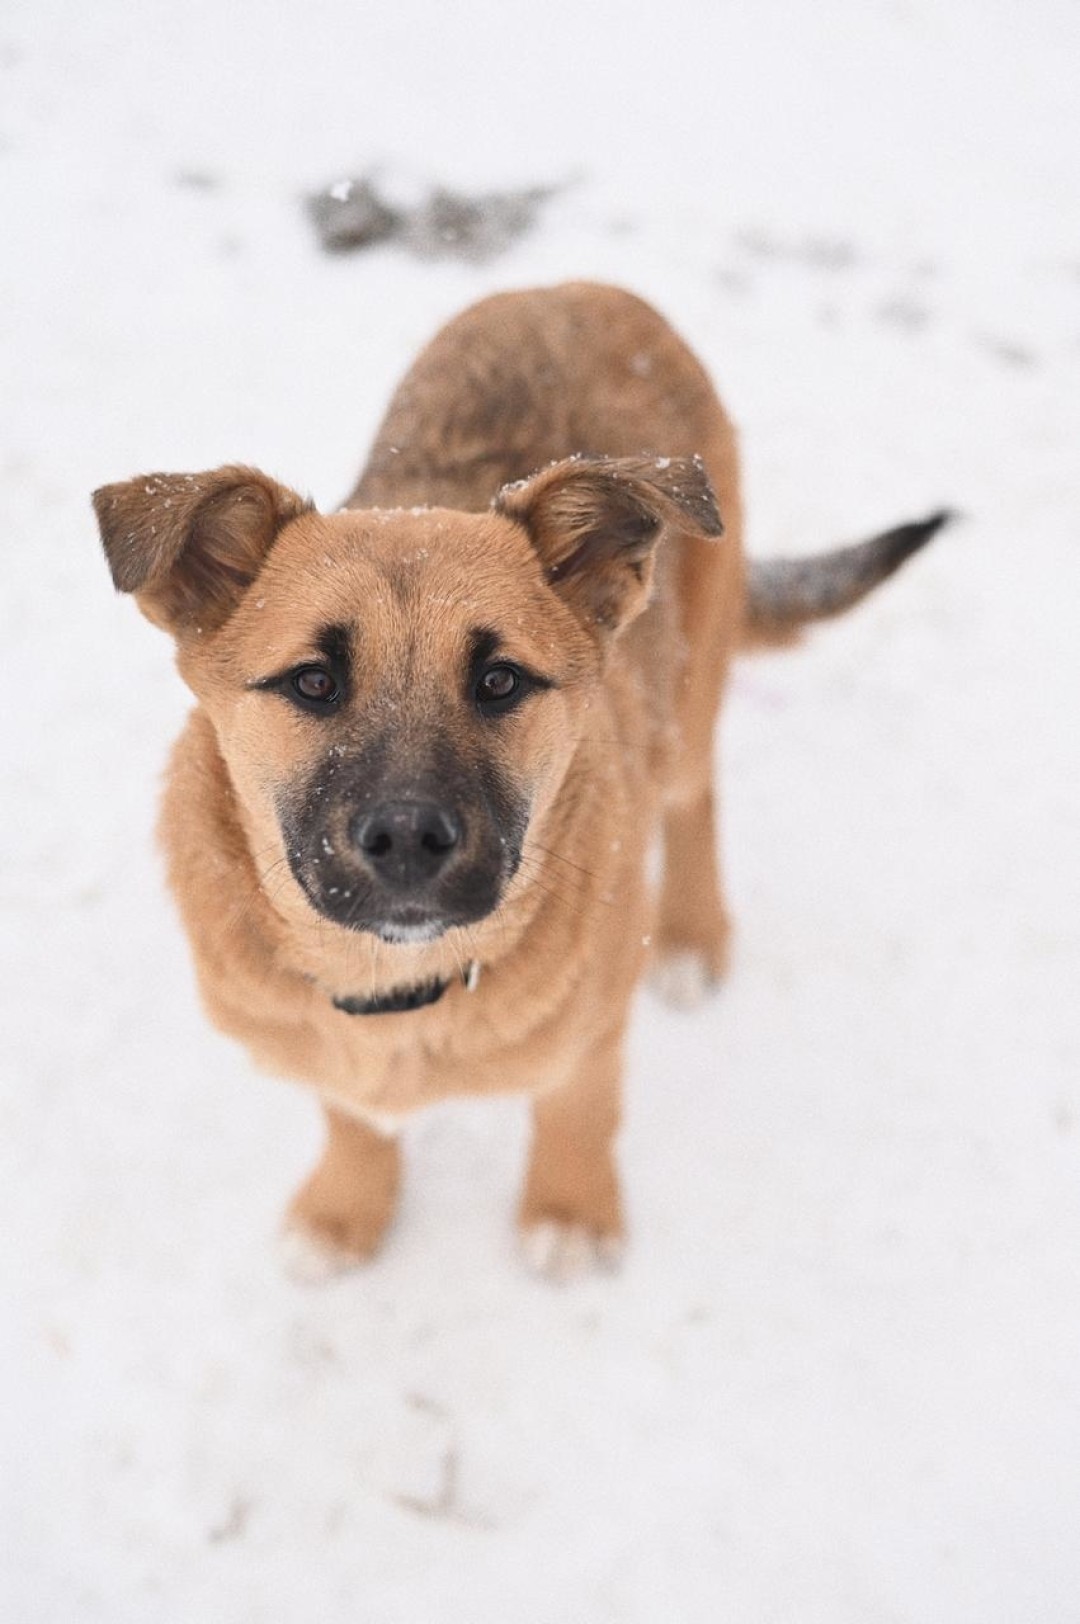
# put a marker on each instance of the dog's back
(523, 379)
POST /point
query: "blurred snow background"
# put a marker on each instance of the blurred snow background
(838, 1381)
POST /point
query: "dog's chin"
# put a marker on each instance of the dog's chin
(402, 921)
(415, 926)
(404, 927)
(408, 926)
(409, 935)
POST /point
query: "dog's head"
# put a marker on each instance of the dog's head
(397, 695)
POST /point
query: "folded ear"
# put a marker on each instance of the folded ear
(595, 521)
(189, 545)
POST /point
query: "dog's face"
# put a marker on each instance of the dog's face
(396, 699)
(397, 695)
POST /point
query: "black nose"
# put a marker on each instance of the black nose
(406, 843)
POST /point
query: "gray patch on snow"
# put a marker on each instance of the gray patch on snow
(818, 253)
(1006, 350)
(233, 1524)
(197, 180)
(451, 225)
(732, 281)
(909, 315)
(351, 213)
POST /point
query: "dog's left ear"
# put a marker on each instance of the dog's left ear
(189, 545)
(595, 522)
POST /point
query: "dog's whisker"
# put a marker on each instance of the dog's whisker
(558, 856)
(556, 884)
(249, 901)
(540, 879)
(557, 896)
(458, 944)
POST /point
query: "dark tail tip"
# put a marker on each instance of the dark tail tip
(899, 544)
(785, 594)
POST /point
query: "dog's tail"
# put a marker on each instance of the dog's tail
(786, 594)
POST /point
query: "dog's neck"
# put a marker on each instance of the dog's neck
(399, 1000)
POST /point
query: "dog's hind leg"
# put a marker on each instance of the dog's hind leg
(338, 1217)
(571, 1209)
(692, 931)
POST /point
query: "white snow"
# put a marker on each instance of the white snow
(837, 1380)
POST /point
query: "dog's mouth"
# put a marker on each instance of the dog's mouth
(346, 897)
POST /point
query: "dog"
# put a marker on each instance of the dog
(438, 732)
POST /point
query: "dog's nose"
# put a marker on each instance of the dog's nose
(406, 843)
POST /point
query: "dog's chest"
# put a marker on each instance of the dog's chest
(385, 1067)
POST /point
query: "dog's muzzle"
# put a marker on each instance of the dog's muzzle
(406, 859)
(405, 845)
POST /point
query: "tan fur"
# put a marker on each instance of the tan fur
(638, 636)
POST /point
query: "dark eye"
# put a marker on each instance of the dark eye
(314, 684)
(498, 685)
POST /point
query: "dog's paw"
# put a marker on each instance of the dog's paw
(561, 1251)
(683, 978)
(311, 1257)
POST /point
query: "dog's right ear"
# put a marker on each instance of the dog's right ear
(189, 545)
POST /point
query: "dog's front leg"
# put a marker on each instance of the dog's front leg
(571, 1209)
(338, 1217)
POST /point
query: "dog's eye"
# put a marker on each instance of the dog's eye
(314, 684)
(497, 686)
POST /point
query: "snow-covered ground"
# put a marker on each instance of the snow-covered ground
(838, 1380)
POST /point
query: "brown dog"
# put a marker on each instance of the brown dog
(437, 731)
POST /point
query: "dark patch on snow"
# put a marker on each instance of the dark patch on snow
(907, 315)
(197, 180)
(817, 253)
(736, 282)
(925, 268)
(234, 1524)
(451, 225)
(352, 214)
(1006, 350)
